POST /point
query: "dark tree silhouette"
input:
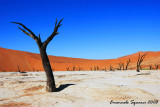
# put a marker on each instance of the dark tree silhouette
(74, 68)
(156, 66)
(140, 67)
(79, 68)
(50, 87)
(128, 64)
(67, 68)
(140, 60)
(150, 67)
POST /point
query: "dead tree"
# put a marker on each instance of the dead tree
(110, 68)
(18, 68)
(97, 68)
(50, 87)
(128, 64)
(79, 68)
(91, 69)
(140, 60)
(156, 66)
(105, 69)
(150, 67)
(121, 65)
(67, 68)
(74, 68)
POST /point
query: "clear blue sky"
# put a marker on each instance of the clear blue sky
(91, 29)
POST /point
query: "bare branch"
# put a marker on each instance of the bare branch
(39, 38)
(143, 56)
(56, 23)
(31, 34)
(139, 58)
(25, 31)
(54, 33)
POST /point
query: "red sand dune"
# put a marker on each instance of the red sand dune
(11, 59)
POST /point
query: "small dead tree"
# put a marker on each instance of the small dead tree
(111, 68)
(139, 61)
(79, 68)
(150, 67)
(91, 69)
(97, 68)
(67, 68)
(74, 68)
(156, 65)
(105, 69)
(33, 70)
(128, 64)
(50, 87)
(18, 68)
(121, 65)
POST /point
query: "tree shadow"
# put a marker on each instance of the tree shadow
(143, 74)
(62, 87)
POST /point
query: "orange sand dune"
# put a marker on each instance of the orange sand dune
(11, 59)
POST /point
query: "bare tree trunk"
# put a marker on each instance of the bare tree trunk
(123, 65)
(50, 86)
(138, 68)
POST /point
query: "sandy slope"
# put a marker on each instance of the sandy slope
(80, 89)
(10, 59)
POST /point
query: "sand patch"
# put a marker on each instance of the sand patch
(33, 89)
(14, 104)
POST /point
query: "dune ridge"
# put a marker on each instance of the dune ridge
(11, 59)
